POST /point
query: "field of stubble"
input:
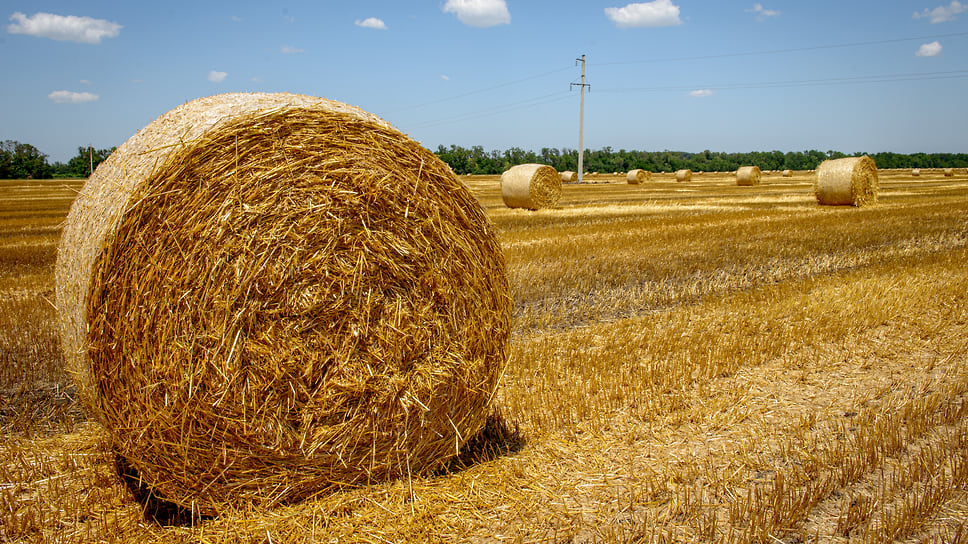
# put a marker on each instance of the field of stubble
(690, 362)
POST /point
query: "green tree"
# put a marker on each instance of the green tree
(22, 161)
(80, 165)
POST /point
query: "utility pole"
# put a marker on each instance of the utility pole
(581, 118)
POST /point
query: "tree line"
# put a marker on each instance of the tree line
(23, 161)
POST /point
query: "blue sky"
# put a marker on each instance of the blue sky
(683, 75)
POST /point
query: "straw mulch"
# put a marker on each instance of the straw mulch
(849, 181)
(684, 175)
(264, 297)
(748, 175)
(637, 176)
(531, 186)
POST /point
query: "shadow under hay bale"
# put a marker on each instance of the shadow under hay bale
(497, 439)
(267, 296)
(748, 176)
(531, 186)
(154, 507)
(851, 181)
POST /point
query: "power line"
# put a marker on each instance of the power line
(779, 51)
(884, 78)
(504, 108)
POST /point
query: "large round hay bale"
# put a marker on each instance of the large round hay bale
(267, 296)
(684, 175)
(787, 173)
(531, 186)
(569, 177)
(748, 175)
(916, 172)
(847, 181)
(637, 176)
(949, 172)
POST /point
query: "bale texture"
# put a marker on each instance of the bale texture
(684, 175)
(637, 176)
(748, 175)
(847, 181)
(787, 173)
(916, 172)
(267, 296)
(569, 177)
(531, 186)
(949, 172)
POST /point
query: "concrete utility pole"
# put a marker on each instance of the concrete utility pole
(581, 118)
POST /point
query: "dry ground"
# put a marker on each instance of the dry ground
(690, 362)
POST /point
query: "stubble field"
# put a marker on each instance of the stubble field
(689, 362)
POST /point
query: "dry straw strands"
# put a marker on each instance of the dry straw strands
(531, 186)
(569, 177)
(267, 296)
(949, 172)
(637, 176)
(684, 175)
(748, 175)
(847, 181)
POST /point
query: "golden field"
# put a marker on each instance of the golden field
(696, 362)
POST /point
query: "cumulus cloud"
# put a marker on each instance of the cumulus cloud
(289, 50)
(444, 77)
(217, 77)
(932, 49)
(646, 14)
(762, 13)
(70, 97)
(63, 28)
(86, 81)
(942, 14)
(701, 93)
(479, 13)
(371, 22)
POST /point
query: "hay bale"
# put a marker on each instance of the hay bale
(787, 173)
(748, 175)
(684, 175)
(916, 172)
(267, 296)
(569, 177)
(637, 176)
(847, 181)
(949, 172)
(531, 186)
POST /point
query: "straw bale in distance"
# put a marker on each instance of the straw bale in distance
(637, 176)
(684, 175)
(267, 296)
(569, 177)
(949, 172)
(531, 186)
(748, 175)
(787, 173)
(848, 181)
(916, 172)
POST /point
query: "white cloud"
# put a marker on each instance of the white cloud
(63, 28)
(289, 50)
(371, 22)
(235, 19)
(445, 78)
(932, 49)
(942, 14)
(86, 82)
(70, 97)
(701, 93)
(762, 13)
(647, 14)
(479, 13)
(217, 77)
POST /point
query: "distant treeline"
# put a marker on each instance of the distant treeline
(477, 161)
(22, 161)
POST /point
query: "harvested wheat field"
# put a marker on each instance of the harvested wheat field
(698, 363)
